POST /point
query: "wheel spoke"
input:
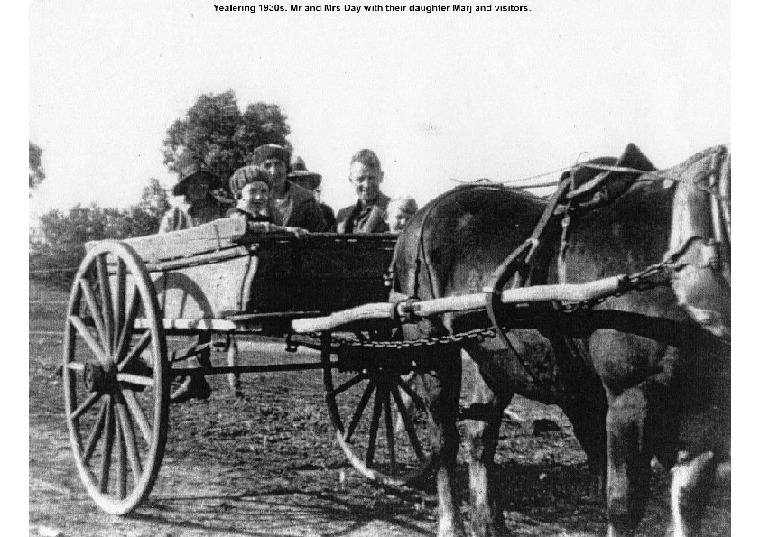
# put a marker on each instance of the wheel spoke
(390, 440)
(87, 336)
(121, 463)
(130, 441)
(418, 402)
(119, 299)
(105, 463)
(97, 431)
(134, 379)
(408, 425)
(128, 327)
(137, 350)
(91, 399)
(359, 411)
(105, 294)
(346, 385)
(94, 310)
(373, 426)
(133, 405)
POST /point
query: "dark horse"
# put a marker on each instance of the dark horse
(640, 375)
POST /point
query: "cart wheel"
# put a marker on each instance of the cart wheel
(115, 378)
(386, 431)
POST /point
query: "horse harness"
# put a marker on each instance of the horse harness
(576, 195)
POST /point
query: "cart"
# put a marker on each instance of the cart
(143, 310)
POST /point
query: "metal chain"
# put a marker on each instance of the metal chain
(477, 334)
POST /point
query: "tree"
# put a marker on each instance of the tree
(36, 173)
(154, 200)
(58, 246)
(216, 132)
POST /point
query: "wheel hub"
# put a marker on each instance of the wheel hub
(98, 379)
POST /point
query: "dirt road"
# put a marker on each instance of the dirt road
(267, 465)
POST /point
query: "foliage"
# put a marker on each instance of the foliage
(59, 245)
(216, 132)
(154, 200)
(36, 173)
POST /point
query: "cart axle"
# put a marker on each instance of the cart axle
(239, 369)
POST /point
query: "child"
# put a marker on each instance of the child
(399, 212)
(254, 202)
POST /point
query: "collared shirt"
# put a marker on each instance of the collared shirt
(364, 219)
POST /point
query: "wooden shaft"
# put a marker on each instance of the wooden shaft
(571, 292)
(463, 303)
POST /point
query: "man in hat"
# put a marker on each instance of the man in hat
(368, 214)
(292, 205)
(311, 181)
(198, 205)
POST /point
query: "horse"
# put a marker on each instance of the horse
(641, 375)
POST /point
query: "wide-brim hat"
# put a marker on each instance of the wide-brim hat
(271, 151)
(306, 179)
(245, 175)
(298, 165)
(189, 172)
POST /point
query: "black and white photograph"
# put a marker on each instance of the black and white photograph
(394, 269)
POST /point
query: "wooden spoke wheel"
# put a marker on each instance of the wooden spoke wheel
(115, 377)
(382, 422)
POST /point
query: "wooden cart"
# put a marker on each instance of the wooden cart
(142, 310)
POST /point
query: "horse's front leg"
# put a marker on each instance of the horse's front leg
(444, 408)
(482, 423)
(628, 464)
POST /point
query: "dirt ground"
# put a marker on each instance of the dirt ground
(268, 465)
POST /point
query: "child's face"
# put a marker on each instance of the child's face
(254, 196)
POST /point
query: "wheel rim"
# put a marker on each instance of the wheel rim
(115, 378)
(381, 422)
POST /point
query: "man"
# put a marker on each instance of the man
(198, 205)
(368, 214)
(292, 205)
(311, 181)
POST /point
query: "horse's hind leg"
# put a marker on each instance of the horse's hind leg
(444, 408)
(628, 468)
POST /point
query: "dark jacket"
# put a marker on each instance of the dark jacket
(304, 210)
(369, 219)
(329, 215)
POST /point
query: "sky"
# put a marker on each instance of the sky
(439, 96)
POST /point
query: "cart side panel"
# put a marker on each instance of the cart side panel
(204, 291)
(214, 236)
(321, 273)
